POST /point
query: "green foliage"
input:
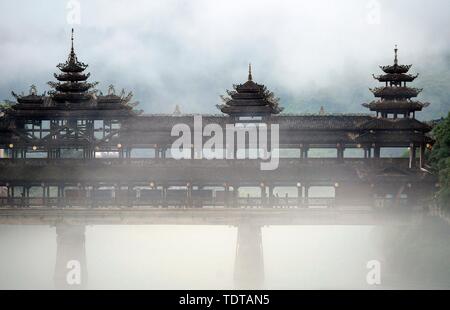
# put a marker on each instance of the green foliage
(440, 159)
(4, 106)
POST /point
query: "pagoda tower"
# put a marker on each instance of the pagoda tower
(72, 86)
(250, 99)
(395, 97)
(73, 93)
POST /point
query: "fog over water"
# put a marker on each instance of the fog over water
(204, 257)
(310, 53)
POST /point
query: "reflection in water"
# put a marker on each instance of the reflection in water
(412, 255)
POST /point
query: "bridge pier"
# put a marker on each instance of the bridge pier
(70, 266)
(249, 260)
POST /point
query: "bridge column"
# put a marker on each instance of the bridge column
(263, 195)
(299, 195)
(130, 197)
(60, 195)
(121, 153)
(422, 155)
(235, 195)
(366, 152)
(249, 261)
(70, 267)
(412, 155)
(340, 152)
(85, 153)
(8, 196)
(24, 196)
(164, 196)
(189, 195)
(11, 195)
(44, 195)
(226, 193)
(306, 196)
(270, 199)
(304, 152)
(376, 151)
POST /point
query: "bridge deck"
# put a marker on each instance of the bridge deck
(189, 216)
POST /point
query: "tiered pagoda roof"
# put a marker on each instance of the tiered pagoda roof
(395, 96)
(250, 99)
(72, 85)
(72, 91)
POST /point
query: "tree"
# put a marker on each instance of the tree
(4, 106)
(440, 160)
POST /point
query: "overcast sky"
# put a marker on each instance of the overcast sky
(188, 52)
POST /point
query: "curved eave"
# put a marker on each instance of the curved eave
(116, 106)
(247, 96)
(248, 102)
(71, 97)
(249, 87)
(249, 110)
(393, 138)
(32, 99)
(72, 110)
(396, 92)
(112, 100)
(395, 124)
(109, 101)
(73, 77)
(391, 106)
(396, 77)
(73, 87)
(396, 69)
(72, 67)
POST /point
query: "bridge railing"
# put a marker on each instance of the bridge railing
(256, 202)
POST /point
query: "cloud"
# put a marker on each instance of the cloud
(188, 52)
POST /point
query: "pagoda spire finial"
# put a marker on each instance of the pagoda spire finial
(396, 55)
(72, 39)
(250, 77)
(72, 55)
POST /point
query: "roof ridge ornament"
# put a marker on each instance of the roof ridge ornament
(250, 77)
(111, 90)
(33, 90)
